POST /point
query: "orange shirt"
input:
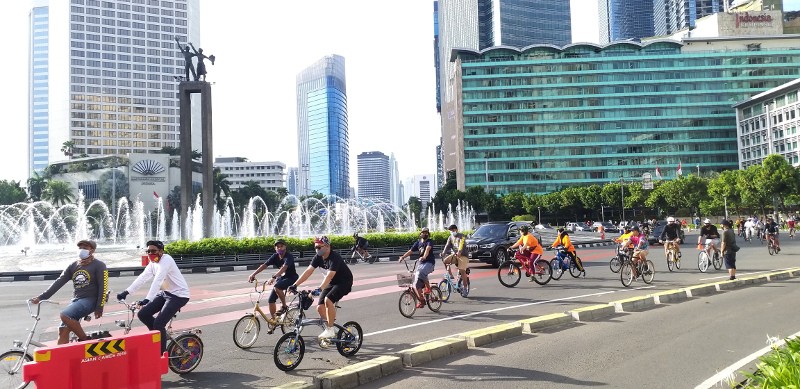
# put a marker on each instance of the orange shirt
(531, 242)
(564, 241)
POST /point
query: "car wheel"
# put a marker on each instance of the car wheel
(499, 257)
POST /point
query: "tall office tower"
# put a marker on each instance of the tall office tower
(478, 24)
(670, 16)
(324, 147)
(395, 189)
(422, 186)
(291, 181)
(439, 172)
(436, 60)
(102, 76)
(627, 19)
(374, 173)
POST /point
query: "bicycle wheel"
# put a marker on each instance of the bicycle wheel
(677, 262)
(670, 262)
(626, 274)
(407, 304)
(288, 319)
(185, 353)
(509, 274)
(289, 351)
(555, 269)
(648, 272)
(435, 299)
(446, 289)
(770, 249)
(541, 272)
(573, 268)
(702, 261)
(246, 330)
(615, 264)
(463, 289)
(9, 377)
(717, 261)
(349, 339)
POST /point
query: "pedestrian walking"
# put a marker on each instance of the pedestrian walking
(729, 248)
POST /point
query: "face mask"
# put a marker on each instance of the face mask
(453, 234)
(83, 253)
(280, 251)
(153, 257)
(320, 252)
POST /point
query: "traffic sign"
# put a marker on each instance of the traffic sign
(647, 181)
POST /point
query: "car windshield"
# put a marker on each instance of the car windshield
(490, 231)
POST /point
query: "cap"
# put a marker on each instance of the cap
(707, 221)
(322, 239)
(89, 243)
(635, 228)
(280, 241)
(452, 227)
(425, 229)
(726, 223)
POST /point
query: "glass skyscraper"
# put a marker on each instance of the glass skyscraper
(374, 176)
(324, 147)
(671, 16)
(544, 118)
(39, 145)
(628, 19)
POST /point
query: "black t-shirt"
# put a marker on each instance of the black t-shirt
(361, 242)
(334, 262)
(771, 227)
(276, 261)
(709, 231)
(671, 232)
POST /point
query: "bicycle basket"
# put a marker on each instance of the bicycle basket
(404, 280)
(305, 301)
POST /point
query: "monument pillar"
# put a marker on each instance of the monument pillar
(186, 89)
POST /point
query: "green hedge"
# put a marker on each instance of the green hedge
(778, 369)
(230, 246)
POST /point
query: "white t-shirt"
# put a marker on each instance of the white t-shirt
(165, 275)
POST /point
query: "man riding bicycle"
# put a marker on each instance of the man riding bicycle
(710, 236)
(361, 245)
(456, 244)
(90, 279)
(530, 247)
(672, 233)
(640, 247)
(427, 261)
(563, 240)
(771, 229)
(338, 282)
(790, 224)
(749, 228)
(286, 275)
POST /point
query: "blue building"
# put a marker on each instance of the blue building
(522, 22)
(38, 121)
(629, 19)
(671, 16)
(436, 59)
(324, 146)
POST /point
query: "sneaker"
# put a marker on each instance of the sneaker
(531, 279)
(281, 311)
(421, 305)
(680, 254)
(328, 333)
(272, 321)
(732, 278)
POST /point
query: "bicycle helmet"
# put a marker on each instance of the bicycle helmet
(670, 219)
(707, 221)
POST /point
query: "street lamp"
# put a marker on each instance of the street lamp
(622, 196)
(540, 215)
(602, 213)
(725, 198)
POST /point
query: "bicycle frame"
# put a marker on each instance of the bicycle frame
(301, 321)
(24, 346)
(128, 323)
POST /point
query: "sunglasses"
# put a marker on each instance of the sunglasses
(318, 247)
(152, 251)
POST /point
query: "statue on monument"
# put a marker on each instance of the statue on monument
(188, 65)
(201, 66)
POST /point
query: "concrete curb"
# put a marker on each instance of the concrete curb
(383, 366)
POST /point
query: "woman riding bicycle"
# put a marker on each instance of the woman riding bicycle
(530, 247)
(427, 260)
(456, 245)
(563, 240)
(640, 247)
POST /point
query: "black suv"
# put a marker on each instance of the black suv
(489, 242)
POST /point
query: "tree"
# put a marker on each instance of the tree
(59, 193)
(415, 207)
(514, 203)
(749, 185)
(590, 197)
(36, 184)
(176, 151)
(113, 183)
(11, 192)
(721, 191)
(174, 198)
(68, 148)
(222, 188)
(777, 178)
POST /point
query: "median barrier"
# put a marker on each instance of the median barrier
(491, 334)
(730, 284)
(670, 296)
(592, 312)
(535, 324)
(129, 361)
(633, 304)
(700, 290)
(429, 351)
(357, 374)
(296, 385)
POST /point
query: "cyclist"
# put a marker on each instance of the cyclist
(749, 227)
(287, 273)
(338, 282)
(168, 292)
(771, 229)
(711, 235)
(456, 243)
(361, 245)
(640, 248)
(562, 239)
(672, 232)
(530, 247)
(90, 280)
(427, 261)
(790, 223)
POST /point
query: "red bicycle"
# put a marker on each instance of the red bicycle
(510, 271)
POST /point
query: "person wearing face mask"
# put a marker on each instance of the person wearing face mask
(427, 261)
(167, 294)
(90, 279)
(286, 275)
(458, 253)
(337, 283)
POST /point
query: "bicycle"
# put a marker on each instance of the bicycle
(772, 246)
(246, 330)
(184, 351)
(644, 268)
(673, 259)
(563, 262)
(409, 299)
(448, 285)
(359, 257)
(291, 347)
(509, 272)
(622, 253)
(703, 259)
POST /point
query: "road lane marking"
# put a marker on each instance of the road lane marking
(729, 372)
(497, 310)
(744, 274)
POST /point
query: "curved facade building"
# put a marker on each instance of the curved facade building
(324, 145)
(542, 118)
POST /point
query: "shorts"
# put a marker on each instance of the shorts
(282, 283)
(642, 253)
(78, 309)
(714, 241)
(333, 293)
(461, 261)
(421, 275)
(730, 260)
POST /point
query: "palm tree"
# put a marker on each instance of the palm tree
(67, 148)
(36, 185)
(58, 193)
(222, 188)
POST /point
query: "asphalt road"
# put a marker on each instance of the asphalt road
(220, 299)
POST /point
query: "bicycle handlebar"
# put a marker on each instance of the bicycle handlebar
(38, 306)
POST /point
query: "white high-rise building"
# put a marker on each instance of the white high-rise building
(103, 75)
(239, 171)
(423, 187)
(395, 187)
(374, 176)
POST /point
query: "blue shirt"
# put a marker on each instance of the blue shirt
(288, 260)
(421, 246)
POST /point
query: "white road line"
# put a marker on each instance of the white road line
(729, 372)
(744, 274)
(496, 310)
